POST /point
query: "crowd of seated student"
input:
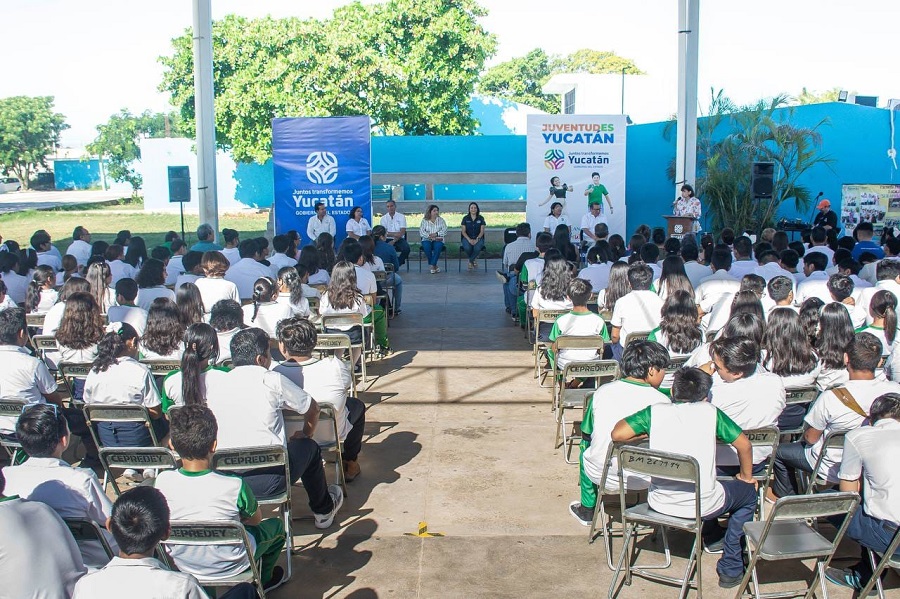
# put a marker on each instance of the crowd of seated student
(751, 328)
(114, 310)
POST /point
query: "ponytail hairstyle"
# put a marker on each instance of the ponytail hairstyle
(190, 304)
(43, 274)
(264, 290)
(27, 261)
(201, 348)
(99, 276)
(884, 305)
(111, 346)
(69, 266)
(835, 335)
(747, 302)
(290, 278)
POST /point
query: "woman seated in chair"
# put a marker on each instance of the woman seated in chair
(472, 229)
(432, 230)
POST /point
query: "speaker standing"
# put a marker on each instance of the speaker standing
(687, 205)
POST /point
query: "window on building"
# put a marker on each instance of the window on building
(569, 102)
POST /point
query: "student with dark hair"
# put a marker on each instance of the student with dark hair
(136, 253)
(835, 334)
(883, 310)
(637, 311)
(839, 409)
(580, 322)
(162, 336)
(278, 260)
(227, 318)
(257, 420)
(310, 258)
(780, 291)
(196, 492)
(187, 385)
(599, 263)
(328, 379)
(34, 534)
(139, 521)
(719, 286)
(386, 253)
(679, 329)
(192, 269)
(80, 246)
(649, 255)
(213, 286)
(691, 425)
(80, 329)
(743, 262)
(232, 240)
(190, 304)
(864, 234)
(152, 284)
(245, 272)
(47, 255)
(119, 269)
(694, 270)
(673, 278)
(818, 242)
(161, 253)
(815, 283)
(551, 294)
(617, 288)
(290, 292)
(175, 266)
(887, 274)
(265, 312)
(789, 260)
(41, 295)
(46, 477)
(642, 367)
(530, 272)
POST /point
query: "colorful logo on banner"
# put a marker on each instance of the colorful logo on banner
(554, 159)
(323, 160)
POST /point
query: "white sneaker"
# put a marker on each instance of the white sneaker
(132, 475)
(149, 474)
(337, 496)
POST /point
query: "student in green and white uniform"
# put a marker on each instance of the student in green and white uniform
(679, 330)
(883, 310)
(188, 384)
(580, 322)
(194, 492)
(643, 366)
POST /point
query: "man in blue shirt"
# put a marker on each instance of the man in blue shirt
(864, 234)
(389, 255)
(206, 240)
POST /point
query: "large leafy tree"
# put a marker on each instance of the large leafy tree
(813, 97)
(409, 65)
(731, 138)
(520, 79)
(29, 131)
(118, 141)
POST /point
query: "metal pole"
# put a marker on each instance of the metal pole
(688, 52)
(205, 116)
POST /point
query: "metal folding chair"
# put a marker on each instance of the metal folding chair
(482, 253)
(333, 342)
(636, 336)
(43, 344)
(540, 347)
(138, 458)
(12, 408)
(95, 414)
(349, 320)
(70, 372)
(383, 296)
(327, 417)
(887, 561)
(833, 441)
(162, 367)
(594, 342)
(767, 437)
(601, 371)
(206, 533)
(88, 531)
(670, 466)
(800, 396)
(247, 458)
(785, 535)
(422, 255)
(389, 286)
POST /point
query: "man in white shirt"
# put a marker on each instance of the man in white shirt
(278, 260)
(40, 241)
(887, 274)
(840, 409)
(38, 556)
(589, 221)
(639, 310)
(743, 263)
(140, 520)
(126, 310)
(816, 282)
(46, 477)
(719, 287)
(868, 467)
(695, 271)
(596, 272)
(818, 238)
(175, 267)
(248, 269)
(507, 273)
(232, 240)
(257, 419)
(395, 224)
(80, 246)
(789, 261)
(365, 280)
(321, 222)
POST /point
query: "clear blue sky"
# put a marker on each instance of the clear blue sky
(97, 56)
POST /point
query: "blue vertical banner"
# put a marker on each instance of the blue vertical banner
(321, 159)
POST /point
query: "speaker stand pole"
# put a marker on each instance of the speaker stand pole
(181, 205)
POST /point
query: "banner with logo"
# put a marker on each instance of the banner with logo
(876, 204)
(574, 148)
(324, 160)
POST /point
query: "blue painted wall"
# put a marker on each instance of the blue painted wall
(76, 174)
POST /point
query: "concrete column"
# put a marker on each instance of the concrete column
(205, 115)
(688, 51)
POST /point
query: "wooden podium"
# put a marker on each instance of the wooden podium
(678, 226)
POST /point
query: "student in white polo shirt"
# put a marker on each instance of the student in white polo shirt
(80, 246)
(117, 267)
(691, 425)
(599, 263)
(125, 309)
(643, 367)
(719, 286)
(266, 311)
(327, 379)
(368, 286)
(279, 260)
(46, 477)
(580, 322)
(139, 521)
(551, 294)
(291, 292)
(887, 278)
(248, 402)
(187, 385)
(816, 282)
(869, 467)
(247, 270)
(232, 240)
(779, 294)
(213, 287)
(840, 409)
(195, 492)
(743, 262)
(883, 310)
(531, 273)
(23, 377)
(38, 556)
(639, 310)
(151, 282)
(750, 396)
(227, 319)
(842, 292)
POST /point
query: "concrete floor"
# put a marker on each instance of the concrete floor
(460, 436)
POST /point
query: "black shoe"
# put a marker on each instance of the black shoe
(277, 575)
(398, 312)
(714, 547)
(729, 582)
(583, 514)
(847, 578)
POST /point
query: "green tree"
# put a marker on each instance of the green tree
(409, 65)
(814, 97)
(118, 141)
(29, 131)
(520, 79)
(731, 138)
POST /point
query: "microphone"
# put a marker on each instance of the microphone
(821, 193)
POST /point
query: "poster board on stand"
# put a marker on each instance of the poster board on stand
(877, 204)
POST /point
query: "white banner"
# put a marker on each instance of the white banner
(587, 154)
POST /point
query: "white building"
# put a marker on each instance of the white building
(644, 98)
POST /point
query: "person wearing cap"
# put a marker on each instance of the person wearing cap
(827, 219)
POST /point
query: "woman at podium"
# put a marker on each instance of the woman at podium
(687, 205)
